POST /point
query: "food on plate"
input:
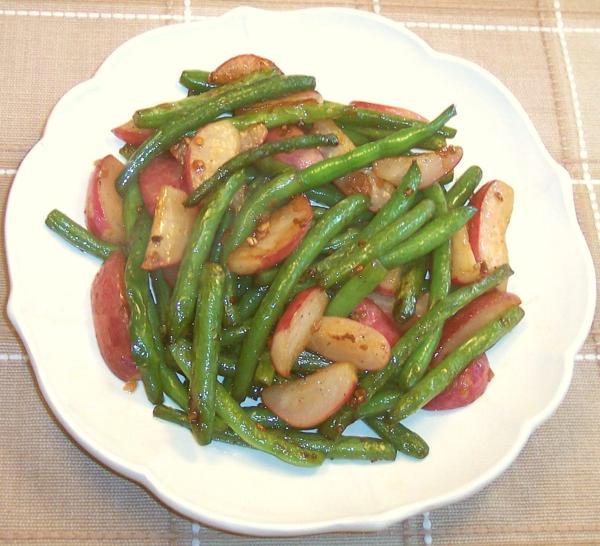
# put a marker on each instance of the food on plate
(262, 244)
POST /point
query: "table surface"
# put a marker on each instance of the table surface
(547, 53)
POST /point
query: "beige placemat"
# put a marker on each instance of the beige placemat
(547, 53)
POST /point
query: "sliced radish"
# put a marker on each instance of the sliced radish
(433, 165)
(329, 127)
(131, 134)
(365, 181)
(391, 283)
(162, 171)
(170, 231)
(465, 268)
(487, 228)
(110, 313)
(344, 339)
(370, 314)
(409, 114)
(301, 97)
(295, 328)
(307, 402)
(466, 388)
(208, 149)
(253, 136)
(240, 66)
(104, 206)
(299, 159)
(274, 239)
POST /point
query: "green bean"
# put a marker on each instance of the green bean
(308, 363)
(251, 156)
(440, 377)
(181, 351)
(234, 335)
(265, 440)
(325, 171)
(358, 287)
(445, 180)
(357, 138)
(196, 80)
(172, 131)
(265, 373)
(434, 142)
(272, 167)
(217, 248)
(162, 295)
(197, 250)
(326, 195)
(334, 221)
(376, 247)
(265, 417)
(378, 404)
(78, 236)
(207, 326)
(343, 240)
(266, 276)
(370, 384)
(231, 316)
(143, 344)
(411, 286)
(464, 187)
(250, 301)
(365, 117)
(159, 115)
(133, 205)
(402, 438)
(429, 237)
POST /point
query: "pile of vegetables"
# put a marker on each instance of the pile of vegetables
(261, 244)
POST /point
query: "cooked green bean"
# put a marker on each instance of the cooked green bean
(402, 438)
(162, 295)
(231, 317)
(78, 236)
(196, 80)
(434, 142)
(464, 187)
(197, 251)
(326, 195)
(378, 246)
(250, 301)
(172, 131)
(216, 251)
(181, 351)
(325, 171)
(358, 287)
(133, 205)
(234, 335)
(370, 384)
(334, 221)
(251, 156)
(440, 377)
(351, 235)
(265, 373)
(203, 380)
(411, 286)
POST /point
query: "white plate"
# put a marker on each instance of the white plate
(354, 55)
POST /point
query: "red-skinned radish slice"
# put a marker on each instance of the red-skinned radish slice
(110, 314)
(347, 340)
(365, 181)
(274, 239)
(104, 206)
(487, 228)
(253, 136)
(367, 312)
(299, 159)
(131, 134)
(433, 165)
(329, 127)
(301, 97)
(208, 149)
(295, 328)
(171, 228)
(162, 171)
(465, 268)
(240, 66)
(307, 402)
(466, 388)
(396, 110)
(390, 285)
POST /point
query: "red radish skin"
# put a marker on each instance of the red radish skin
(346, 340)
(487, 228)
(369, 313)
(433, 165)
(466, 388)
(104, 206)
(274, 239)
(299, 159)
(130, 134)
(163, 170)
(240, 66)
(295, 327)
(390, 110)
(307, 402)
(110, 314)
